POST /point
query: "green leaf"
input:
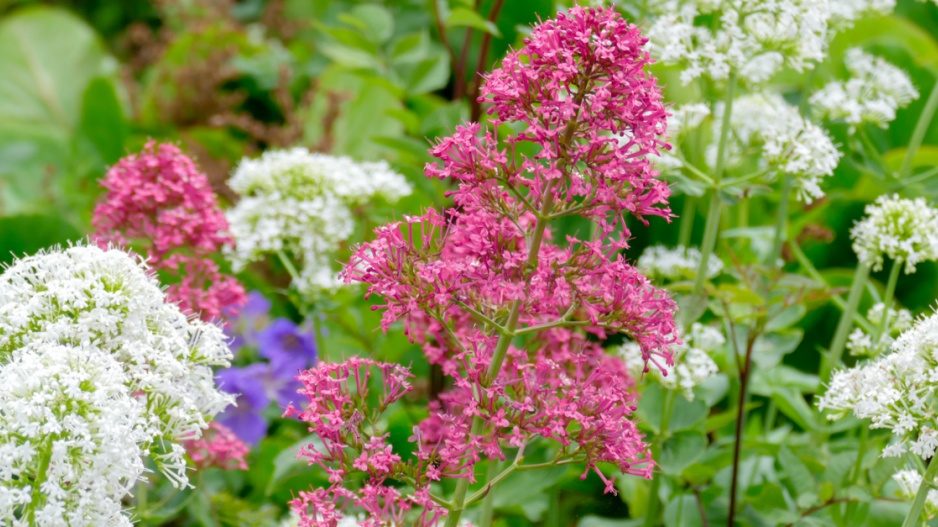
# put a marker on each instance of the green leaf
(373, 21)
(681, 511)
(427, 75)
(520, 487)
(410, 48)
(926, 155)
(102, 120)
(26, 234)
(800, 479)
(686, 414)
(287, 462)
(48, 57)
(681, 450)
(792, 404)
(464, 17)
(893, 31)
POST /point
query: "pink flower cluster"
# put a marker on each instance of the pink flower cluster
(343, 413)
(158, 203)
(512, 315)
(218, 447)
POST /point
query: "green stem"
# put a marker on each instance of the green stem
(553, 508)
(501, 347)
(654, 500)
(781, 219)
(687, 221)
(716, 204)
(924, 120)
(832, 359)
(37, 495)
(915, 513)
(141, 503)
(887, 298)
(488, 503)
(816, 276)
(711, 230)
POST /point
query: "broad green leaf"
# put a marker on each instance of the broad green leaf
(522, 486)
(465, 17)
(686, 415)
(372, 20)
(926, 155)
(48, 57)
(410, 48)
(287, 461)
(792, 404)
(890, 30)
(427, 75)
(27, 234)
(682, 511)
(681, 450)
(102, 120)
(800, 479)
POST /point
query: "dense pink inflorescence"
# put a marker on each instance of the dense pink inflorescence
(339, 414)
(218, 447)
(158, 202)
(514, 316)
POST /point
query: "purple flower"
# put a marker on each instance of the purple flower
(288, 349)
(245, 419)
(244, 328)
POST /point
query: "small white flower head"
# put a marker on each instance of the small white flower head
(675, 264)
(686, 117)
(861, 344)
(909, 481)
(905, 230)
(692, 360)
(788, 143)
(751, 38)
(104, 300)
(875, 90)
(304, 205)
(70, 436)
(894, 391)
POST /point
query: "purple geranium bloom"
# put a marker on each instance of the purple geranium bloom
(287, 347)
(245, 419)
(243, 328)
(280, 385)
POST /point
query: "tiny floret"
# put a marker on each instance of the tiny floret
(875, 90)
(894, 391)
(304, 205)
(905, 230)
(692, 360)
(105, 303)
(790, 144)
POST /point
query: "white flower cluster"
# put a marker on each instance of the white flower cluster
(861, 343)
(686, 117)
(895, 391)
(679, 263)
(692, 362)
(905, 230)
(97, 370)
(69, 436)
(875, 90)
(789, 143)
(909, 482)
(301, 204)
(752, 38)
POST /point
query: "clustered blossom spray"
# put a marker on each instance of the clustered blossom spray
(514, 316)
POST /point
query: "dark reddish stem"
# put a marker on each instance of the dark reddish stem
(475, 107)
(740, 416)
